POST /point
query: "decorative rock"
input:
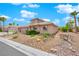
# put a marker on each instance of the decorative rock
(71, 48)
(53, 50)
(38, 40)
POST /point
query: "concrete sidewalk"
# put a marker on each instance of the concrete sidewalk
(25, 49)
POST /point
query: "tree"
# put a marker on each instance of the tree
(10, 24)
(14, 23)
(74, 15)
(3, 19)
(68, 26)
(17, 24)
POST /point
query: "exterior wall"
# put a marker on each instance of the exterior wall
(23, 30)
(10, 28)
(5, 29)
(50, 29)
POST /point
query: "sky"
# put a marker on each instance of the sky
(23, 13)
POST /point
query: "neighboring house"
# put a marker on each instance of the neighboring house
(41, 26)
(13, 28)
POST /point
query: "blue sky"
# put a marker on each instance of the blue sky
(23, 13)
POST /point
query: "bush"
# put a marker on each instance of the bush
(78, 29)
(32, 32)
(64, 29)
(45, 34)
(70, 30)
(0, 30)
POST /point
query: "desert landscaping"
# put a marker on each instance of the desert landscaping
(63, 44)
(46, 36)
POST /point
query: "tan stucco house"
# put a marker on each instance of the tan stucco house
(41, 26)
(36, 24)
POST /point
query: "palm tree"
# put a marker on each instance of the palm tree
(74, 15)
(3, 19)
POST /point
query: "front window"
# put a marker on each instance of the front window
(34, 28)
(44, 28)
(26, 28)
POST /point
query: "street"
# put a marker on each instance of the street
(6, 50)
(11, 48)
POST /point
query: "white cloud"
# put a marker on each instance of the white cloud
(24, 6)
(28, 22)
(57, 21)
(33, 5)
(77, 15)
(67, 8)
(5, 16)
(30, 5)
(16, 19)
(66, 19)
(16, 3)
(46, 19)
(28, 14)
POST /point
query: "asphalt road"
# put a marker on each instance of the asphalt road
(6, 50)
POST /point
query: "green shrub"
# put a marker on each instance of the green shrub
(31, 32)
(78, 29)
(0, 30)
(45, 35)
(64, 29)
(70, 30)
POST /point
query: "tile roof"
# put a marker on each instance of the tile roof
(41, 23)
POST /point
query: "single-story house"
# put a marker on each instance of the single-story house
(41, 26)
(36, 24)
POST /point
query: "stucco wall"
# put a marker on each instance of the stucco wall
(50, 29)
